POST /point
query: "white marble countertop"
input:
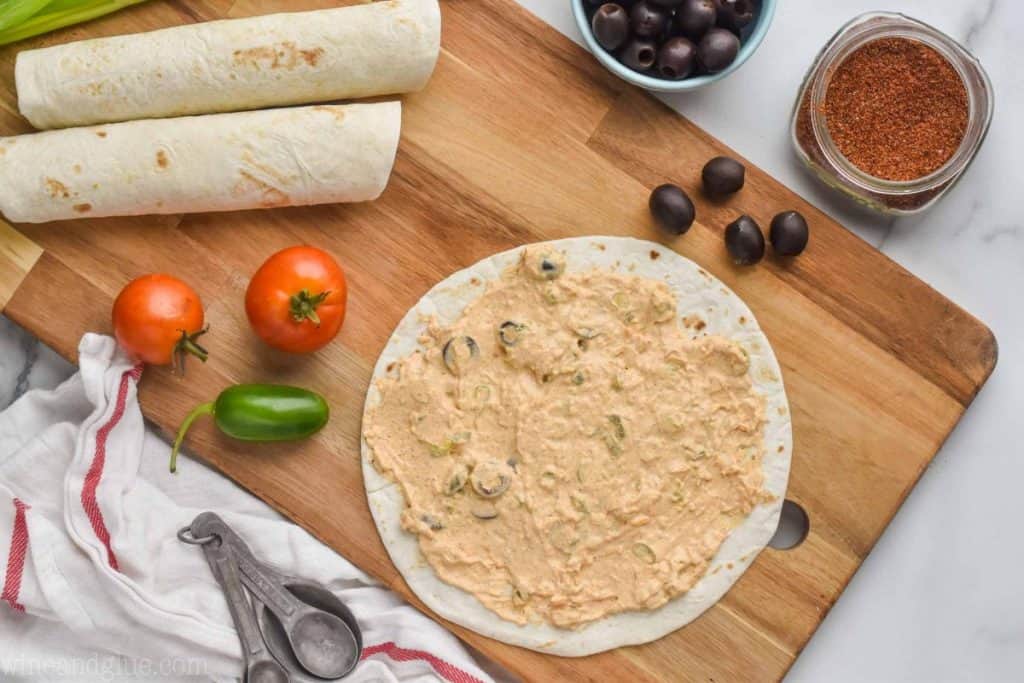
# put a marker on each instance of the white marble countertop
(941, 596)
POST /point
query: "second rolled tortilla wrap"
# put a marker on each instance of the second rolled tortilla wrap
(380, 48)
(220, 162)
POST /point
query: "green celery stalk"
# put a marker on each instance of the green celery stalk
(14, 12)
(64, 14)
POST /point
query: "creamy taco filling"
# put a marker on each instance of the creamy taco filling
(568, 449)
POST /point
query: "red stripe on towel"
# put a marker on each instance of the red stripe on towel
(16, 558)
(449, 672)
(99, 458)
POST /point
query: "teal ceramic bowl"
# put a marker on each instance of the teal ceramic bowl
(752, 37)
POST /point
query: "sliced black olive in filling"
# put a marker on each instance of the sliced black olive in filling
(510, 333)
(484, 510)
(490, 479)
(459, 353)
(432, 522)
(550, 268)
(544, 265)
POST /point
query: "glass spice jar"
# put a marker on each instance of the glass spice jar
(815, 146)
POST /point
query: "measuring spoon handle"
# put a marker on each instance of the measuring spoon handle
(268, 587)
(264, 582)
(226, 573)
(209, 524)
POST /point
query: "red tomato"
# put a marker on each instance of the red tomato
(157, 319)
(296, 300)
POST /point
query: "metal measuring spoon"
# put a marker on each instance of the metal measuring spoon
(322, 642)
(259, 665)
(277, 640)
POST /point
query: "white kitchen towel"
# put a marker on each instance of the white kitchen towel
(97, 587)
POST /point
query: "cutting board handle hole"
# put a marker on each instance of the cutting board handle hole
(793, 527)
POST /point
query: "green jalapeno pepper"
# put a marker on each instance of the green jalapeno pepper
(260, 412)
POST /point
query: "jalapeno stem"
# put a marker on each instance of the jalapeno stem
(205, 409)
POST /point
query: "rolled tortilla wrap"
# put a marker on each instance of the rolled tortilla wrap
(380, 48)
(220, 162)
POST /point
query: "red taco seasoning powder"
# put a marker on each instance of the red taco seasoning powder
(896, 109)
(892, 112)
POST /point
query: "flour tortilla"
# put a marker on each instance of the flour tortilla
(697, 293)
(221, 162)
(363, 50)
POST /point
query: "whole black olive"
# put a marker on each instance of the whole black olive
(694, 18)
(717, 50)
(734, 14)
(648, 20)
(745, 241)
(611, 26)
(672, 209)
(676, 59)
(639, 54)
(722, 176)
(789, 233)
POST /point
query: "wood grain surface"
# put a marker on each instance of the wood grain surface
(522, 136)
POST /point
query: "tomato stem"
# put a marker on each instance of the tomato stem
(303, 306)
(205, 409)
(188, 345)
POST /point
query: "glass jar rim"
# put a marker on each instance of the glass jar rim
(870, 27)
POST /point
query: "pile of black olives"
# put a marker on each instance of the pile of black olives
(674, 212)
(672, 39)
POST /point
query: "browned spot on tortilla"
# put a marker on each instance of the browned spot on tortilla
(95, 89)
(101, 133)
(601, 247)
(3, 151)
(77, 168)
(655, 255)
(271, 195)
(743, 320)
(336, 112)
(695, 322)
(312, 56)
(475, 281)
(413, 26)
(82, 208)
(161, 159)
(57, 189)
(391, 366)
(159, 203)
(703, 272)
(728, 565)
(251, 162)
(780, 448)
(254, 55)
(283, 55)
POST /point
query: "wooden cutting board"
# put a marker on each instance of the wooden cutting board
(522, 136)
